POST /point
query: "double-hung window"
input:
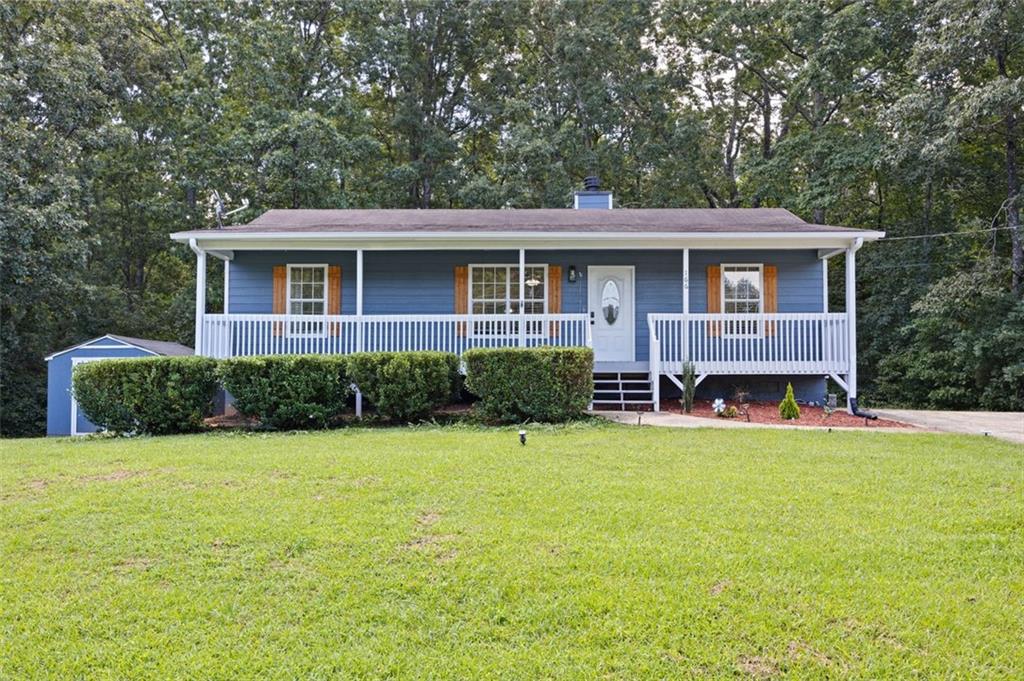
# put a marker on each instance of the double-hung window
(307, 297)
(742, 293)
(494, 290)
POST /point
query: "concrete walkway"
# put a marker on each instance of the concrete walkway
(1006, 425)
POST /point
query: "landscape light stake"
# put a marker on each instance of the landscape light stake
(522, 437)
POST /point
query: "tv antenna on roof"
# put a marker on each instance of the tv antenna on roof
(218, 209)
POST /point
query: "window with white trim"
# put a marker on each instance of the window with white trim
(307, 296)
(742, 293)
(494, 289)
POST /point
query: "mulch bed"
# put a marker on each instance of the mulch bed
(768, 413)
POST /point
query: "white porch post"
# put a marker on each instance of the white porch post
(824, 284)
(851, 320)
(359, 322)
(359, 283)
(686, 281)
(200, 294)
(685, 354)
(522, 297)
(227, 283)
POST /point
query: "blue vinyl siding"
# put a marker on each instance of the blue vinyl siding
(800, 278)
(252, 277)
(760, 387)
(58, 382)
(422, 282)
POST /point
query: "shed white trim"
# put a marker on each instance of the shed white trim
(87, 345)
(75, 361)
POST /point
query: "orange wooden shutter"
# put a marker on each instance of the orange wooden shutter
(280, 296)
(771, 296)
(461, 296)
(554, 295)
(714, 297)
(334, 296)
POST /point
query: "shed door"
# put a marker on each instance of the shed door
(611, 312)
(79, 424)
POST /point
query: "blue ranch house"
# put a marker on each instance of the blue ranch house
(739, 293)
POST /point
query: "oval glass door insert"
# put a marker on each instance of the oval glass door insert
(610, 302)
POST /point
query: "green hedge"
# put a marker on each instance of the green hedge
(288, 391)
(537, 384)
(405, 386)
(153, 395)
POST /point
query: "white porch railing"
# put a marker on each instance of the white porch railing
(796, 343)
(237, 335)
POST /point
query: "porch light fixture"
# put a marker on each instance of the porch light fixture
(572, 274)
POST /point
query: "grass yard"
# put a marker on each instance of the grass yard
(594, 551)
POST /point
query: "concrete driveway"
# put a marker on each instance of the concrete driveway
(1006, 425)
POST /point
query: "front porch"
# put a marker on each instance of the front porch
(732, 313)
(717, 344)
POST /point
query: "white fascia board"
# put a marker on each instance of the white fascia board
(515, 240)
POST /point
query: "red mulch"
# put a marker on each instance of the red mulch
(768, 412)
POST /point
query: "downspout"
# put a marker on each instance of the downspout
(200, 293)
(851, 311)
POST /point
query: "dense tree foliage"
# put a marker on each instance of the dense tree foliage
(119, 119)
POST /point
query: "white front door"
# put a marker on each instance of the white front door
(611, 312)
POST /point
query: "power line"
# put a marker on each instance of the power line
(905, 265)
(930, 236)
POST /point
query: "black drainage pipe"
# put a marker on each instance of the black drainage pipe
(855, 410)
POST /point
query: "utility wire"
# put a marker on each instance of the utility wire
(930, 236)
(905, 265)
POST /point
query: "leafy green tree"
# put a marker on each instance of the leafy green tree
(962, 349)
(118, 120)
(58, 76)
(970, 57)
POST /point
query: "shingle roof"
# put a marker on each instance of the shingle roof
(157, 346)
(626, 220)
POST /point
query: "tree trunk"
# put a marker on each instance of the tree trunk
(766, 123)
(925, 273)
(815, 174)
(766, 134)
(1012, 191)
(1013, 210)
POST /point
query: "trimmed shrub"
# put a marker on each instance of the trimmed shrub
(405, 386)
(152, 395)
(538, 384)
(788, 408)
(288, 391)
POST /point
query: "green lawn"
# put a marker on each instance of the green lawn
(593, 551)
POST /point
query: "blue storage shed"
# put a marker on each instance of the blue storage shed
(62, 414)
